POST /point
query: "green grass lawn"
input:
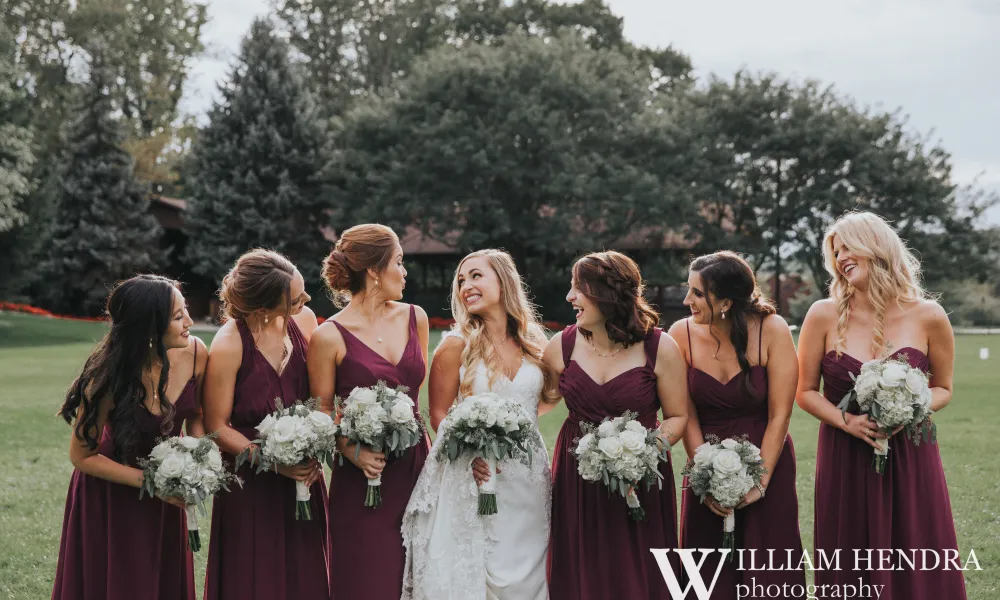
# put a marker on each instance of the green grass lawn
(39, 358)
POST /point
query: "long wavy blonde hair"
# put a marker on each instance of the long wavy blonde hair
(893, 271)
(523, 324)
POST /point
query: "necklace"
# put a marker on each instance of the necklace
(371, 326)
(591, 341)
(153, 386)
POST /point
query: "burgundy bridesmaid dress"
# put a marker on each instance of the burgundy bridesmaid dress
(117, 547)
(257, 550)
(597, 550)
(770, 524)
(368, 555)
(906, 508)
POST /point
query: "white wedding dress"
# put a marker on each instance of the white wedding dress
(452, 553)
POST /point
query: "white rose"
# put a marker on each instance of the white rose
(704, 454)
(363, 396)
(285, 429)
(265, 427)
(633, 441)
(161, 451)
(893, 375)
(320, 420)
(401, 412)
(611, 447)
(214, 459)
(606, 429)
(635, 426)
(726, 462)
(754, 452)
(915, 382)
(730, 444)
(401, 397)
(584, 443)
(188, 442)
(172, 466)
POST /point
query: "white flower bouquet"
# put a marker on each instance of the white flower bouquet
(382, 419)
(189, 468)
(292, 436)
(493, 428)
(621, 454)
(893, 394)
(726, 470)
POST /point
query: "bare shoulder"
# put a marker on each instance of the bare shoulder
(306, 320)
(933, 316)
(553, 350)
(678, 328)
(774, 325)
(422, 321)
(449, 350)
(668, 350)
(822, 312)
(227, 340)
(326, 336)
(200, 352)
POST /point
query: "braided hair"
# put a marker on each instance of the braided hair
(614, 283)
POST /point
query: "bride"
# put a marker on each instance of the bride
(496, 345)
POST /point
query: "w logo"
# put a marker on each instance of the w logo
(691, 568)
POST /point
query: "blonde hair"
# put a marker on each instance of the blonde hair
(893, 271)
(523, 324)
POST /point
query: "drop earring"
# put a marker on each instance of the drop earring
(151, 343)
(723, 315)
(265, 319)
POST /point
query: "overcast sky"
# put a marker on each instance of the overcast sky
(938, 60)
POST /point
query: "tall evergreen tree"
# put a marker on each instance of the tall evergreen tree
(16, 157)
(253, 174)
(101, 230)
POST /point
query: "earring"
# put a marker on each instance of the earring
(265, 319)
(150, 343)
(723, 315)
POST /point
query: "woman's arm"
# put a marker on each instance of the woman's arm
(822, 316)
(195, 426)
(672, 389)
(941, 354)
(782, 381)
(442, 388)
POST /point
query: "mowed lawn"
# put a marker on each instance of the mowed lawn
(39, 358)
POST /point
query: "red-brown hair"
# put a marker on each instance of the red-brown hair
(613, 282)
(362, 247)
(260, 279)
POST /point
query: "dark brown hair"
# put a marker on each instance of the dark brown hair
(613, 282)
(139, 312)
(362, 247)
(729, 277)
(260, 279)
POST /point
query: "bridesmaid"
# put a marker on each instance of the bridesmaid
(613, 360)
(257, 549)
(375, 337)
(142, 382)
(730, 323)
(877, 308)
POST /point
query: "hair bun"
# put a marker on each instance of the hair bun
(336, 272)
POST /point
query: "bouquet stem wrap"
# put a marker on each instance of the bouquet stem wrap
(636, 510)
(728, 535)
(194, 538)
(303, 511)
(881, 455)
(488, 490)
(373, 498)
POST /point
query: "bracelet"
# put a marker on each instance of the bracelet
(761, 489)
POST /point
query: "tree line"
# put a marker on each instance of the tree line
(525, 124)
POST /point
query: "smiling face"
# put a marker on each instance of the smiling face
(392, 281)
(851, 266)
(698, 299)
(588, 316)
(178, 334)
(478, 285)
